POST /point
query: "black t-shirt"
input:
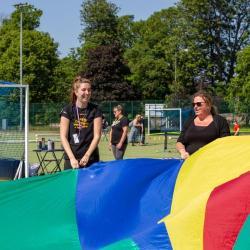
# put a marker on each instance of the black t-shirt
(82, 129)
(194, 137)
(117, 130)
(198, 136)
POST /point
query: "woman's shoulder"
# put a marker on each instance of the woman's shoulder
(125, 120)
(219, 118)
(189, 121)
(92, 105)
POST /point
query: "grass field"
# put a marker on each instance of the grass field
(153, 148)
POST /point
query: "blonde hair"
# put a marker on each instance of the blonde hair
(119, 108)
(76, 84)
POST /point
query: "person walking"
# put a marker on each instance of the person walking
(80, 126)
(118, 134)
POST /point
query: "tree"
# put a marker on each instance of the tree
(221, 29)
(100, 21)
(106, 69)
(39, 53)
(105, 36)
(64, 73)
(125, 31)
(239, 87)
(158, 60)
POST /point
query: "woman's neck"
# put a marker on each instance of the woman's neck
(203, 117)
(119, 117)
(81, 104)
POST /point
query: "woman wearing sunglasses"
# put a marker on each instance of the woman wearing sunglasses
(118, 134)
(202, 128)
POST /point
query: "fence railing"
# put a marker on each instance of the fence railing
(48, 114)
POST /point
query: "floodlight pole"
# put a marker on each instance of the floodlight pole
(175, 67)
(21, 68)
(20, 5)
(21, 48)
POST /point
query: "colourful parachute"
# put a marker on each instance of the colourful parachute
(203, 203)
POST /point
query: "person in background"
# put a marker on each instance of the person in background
(142, 131)
(118, 134)
(80, 126)
(134, 135)
(105, 123)
(202, 128)
(105, 128)
(236, 128)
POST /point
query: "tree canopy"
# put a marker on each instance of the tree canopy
(239, 88)
(194, 45)
(39, 53)
(103, 48)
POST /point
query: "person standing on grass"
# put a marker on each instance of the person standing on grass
(134, 134)
(80, 127)
(142, 131)
(118, 134)
(236, 128)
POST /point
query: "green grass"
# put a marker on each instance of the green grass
(153, 148)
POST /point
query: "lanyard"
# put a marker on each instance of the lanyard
(79, 123)
(78, 117)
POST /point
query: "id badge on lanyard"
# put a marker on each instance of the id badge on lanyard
(76, 138)
(75, 135)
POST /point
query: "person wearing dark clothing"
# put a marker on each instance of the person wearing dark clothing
(118, 133)
(142, 131)
(203, 128)
(80, 127)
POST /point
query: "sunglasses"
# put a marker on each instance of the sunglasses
(199, 104)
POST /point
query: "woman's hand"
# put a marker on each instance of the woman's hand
(119, 145)
(182, 150)
(110, 146)
(184, 155)
(84, 160)
(74, 163)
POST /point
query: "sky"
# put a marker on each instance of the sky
(61, 18)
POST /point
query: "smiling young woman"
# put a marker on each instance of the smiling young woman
(80, 126)
(203, 128)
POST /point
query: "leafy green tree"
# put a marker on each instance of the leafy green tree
(106, 69)
(104, 38)
(125, 31)
(219, 29)
(100, 21)
(160, 56)
(39, 53)
(239, 87)
(64, 74)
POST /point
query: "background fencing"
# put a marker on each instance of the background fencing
(47, 114)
